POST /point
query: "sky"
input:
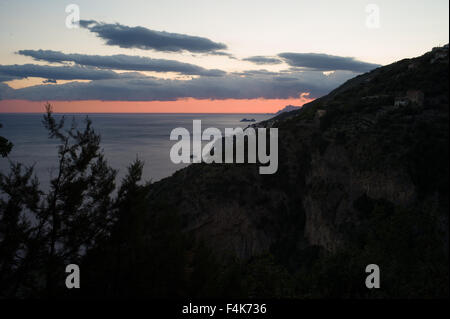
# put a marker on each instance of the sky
(201, 56)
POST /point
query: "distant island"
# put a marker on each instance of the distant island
(248, 120)
(288, 108)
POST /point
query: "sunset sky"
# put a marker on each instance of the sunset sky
(201, 56)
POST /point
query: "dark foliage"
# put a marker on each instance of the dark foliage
(5, 146)
(42, 232)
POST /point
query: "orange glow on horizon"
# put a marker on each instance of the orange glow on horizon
(189, 105)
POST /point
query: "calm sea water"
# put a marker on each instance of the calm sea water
(124, 136)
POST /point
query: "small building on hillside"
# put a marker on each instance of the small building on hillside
(414, 97)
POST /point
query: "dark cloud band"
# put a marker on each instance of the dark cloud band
(136, 87)
(146, 39)
(261, 60)
(121, 62)
(55, 72)
(325, 62)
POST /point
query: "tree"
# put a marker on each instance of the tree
(78, 207)
(5, 146)
(19, 202)
(48, 230)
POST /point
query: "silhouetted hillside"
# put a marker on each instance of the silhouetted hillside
(362, 179)
(360, 175)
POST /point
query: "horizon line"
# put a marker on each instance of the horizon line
(54, 112)
(185, 106)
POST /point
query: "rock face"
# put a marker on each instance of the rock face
(361, 149)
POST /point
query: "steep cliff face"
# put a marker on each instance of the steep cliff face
(340, 156)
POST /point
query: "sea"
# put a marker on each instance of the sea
(124, 137)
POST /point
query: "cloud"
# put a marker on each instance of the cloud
(49, 81)
(137, 87)
(260, 60)
(55, 72)
(5, 78)
(121, 62)
(146, 39)
(221, 53)
(5, 90)
(256, 72)
(326, 62)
